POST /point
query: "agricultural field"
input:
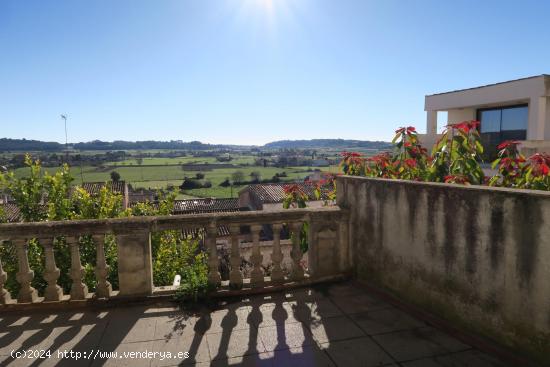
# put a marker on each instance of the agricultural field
(158, 173)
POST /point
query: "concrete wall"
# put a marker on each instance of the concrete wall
(462, 114)
(477, 256)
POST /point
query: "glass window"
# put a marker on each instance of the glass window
(490, 121)
(514, 118)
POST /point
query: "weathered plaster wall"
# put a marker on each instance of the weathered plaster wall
(478, 256)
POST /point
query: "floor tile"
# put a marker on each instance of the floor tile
(418, 343)
(185, 350)
(469, 358)
(307, 356)
(359, 303)
(335, 328)
(270, 314)
(123, 356)
(285, 336)
(360, 352)
(386, 320)
(234, 343)
(256, 360)
(231, 318)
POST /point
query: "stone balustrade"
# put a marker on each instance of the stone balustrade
(327, 255)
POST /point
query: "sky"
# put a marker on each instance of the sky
(252, 71)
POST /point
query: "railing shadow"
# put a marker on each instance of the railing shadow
(235, 327)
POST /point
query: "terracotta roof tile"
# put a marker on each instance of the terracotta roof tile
(11, 211)
(93, 188)
(274, 193)
(206, 206)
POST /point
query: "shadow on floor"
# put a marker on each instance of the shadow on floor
(339, 325)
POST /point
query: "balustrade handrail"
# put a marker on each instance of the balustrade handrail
(326, 234)
(157, 223)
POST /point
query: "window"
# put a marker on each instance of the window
(500, 124)
(514, 118)
(496, 120)
(491, 121)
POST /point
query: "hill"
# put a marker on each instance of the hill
(327, 143)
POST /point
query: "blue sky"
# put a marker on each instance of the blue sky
(251, 71)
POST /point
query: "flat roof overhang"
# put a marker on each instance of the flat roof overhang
(499, 94)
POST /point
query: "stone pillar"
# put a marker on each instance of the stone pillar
(257, 276)
(79, 290)
(27, 294)
(5, 296)
(344, 244)
(135, 266)
(297, 271)
(277, 275)
(53, 292)
(235, 276)
(214, 277)
(103, 288)
(431, 123)
(537, 118)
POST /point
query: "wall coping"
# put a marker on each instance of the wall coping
(480, 188)
(159, 223)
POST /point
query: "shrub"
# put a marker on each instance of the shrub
(115, 176)
(225, 183)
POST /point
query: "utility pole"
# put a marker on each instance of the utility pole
(64, 117)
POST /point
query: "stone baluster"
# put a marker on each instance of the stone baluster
(235, 276)
(27, 294)
(5, 296)
(53, 292)
(277, 275)
(79, 290)
(214, 277)
(257, 275)
(103, 288)
(297, 271)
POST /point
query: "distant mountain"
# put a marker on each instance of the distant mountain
(149, 144)
(29, 145)
(24, 145)
(327, 143)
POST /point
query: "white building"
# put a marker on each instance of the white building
(513, 110)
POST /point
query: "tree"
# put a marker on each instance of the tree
(115, 176)
(237, 177)
(255, 176)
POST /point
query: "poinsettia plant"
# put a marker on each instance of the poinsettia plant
(325, 189)
(295, 197)
(380, 165)
(456, 158)
(510, 164)
(410, 159)
(458, 153)
(352, 163)
(537, 173)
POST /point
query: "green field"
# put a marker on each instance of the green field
(156, 177)
(237, 160)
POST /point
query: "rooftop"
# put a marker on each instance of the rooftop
(490, 85)
(193, 206)
(274, 193)
(336, 325)
(93, 188)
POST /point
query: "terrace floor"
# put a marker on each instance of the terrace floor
(341, 324)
